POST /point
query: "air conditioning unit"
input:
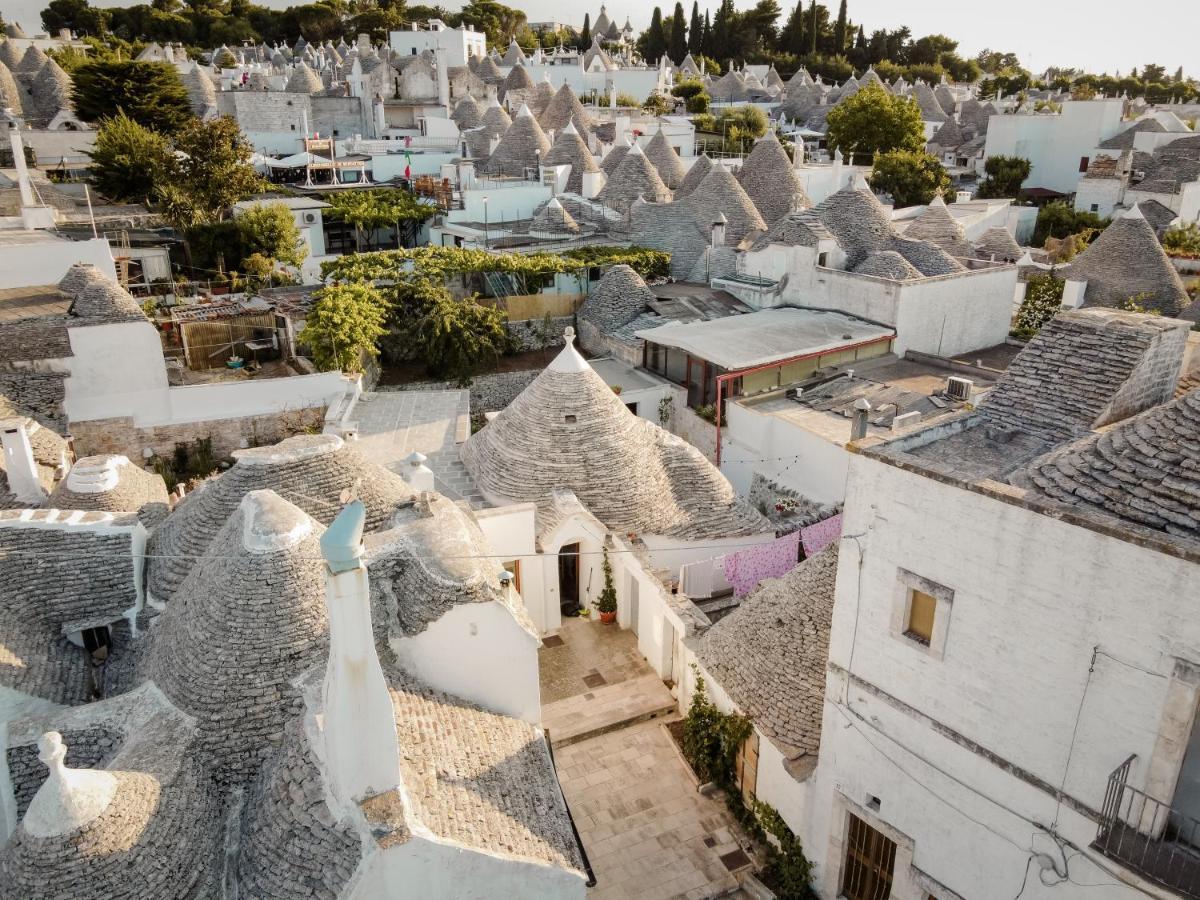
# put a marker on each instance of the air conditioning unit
(959, 388)
(310, 218)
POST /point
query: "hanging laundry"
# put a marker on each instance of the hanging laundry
(818, 536)
(746, 568)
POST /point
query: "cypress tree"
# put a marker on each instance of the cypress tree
(813, 28)
(696, 30)
(585, 36)
(792, 38)
(678, 39)
(706, 46)
(656, 39)
(839, 30)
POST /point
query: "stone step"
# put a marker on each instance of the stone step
(606, 709)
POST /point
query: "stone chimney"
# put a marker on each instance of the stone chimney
(858, 425)
(359, 721)
(718, 230)
(418, 475)
(19, 464)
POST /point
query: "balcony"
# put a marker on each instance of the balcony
(1148, 837)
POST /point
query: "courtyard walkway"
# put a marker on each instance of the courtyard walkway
(649, 833)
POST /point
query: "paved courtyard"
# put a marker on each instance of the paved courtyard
(648, 832)
(392, 424)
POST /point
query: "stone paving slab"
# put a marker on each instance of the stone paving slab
(588, 649)
(607, 708)
(641, 819)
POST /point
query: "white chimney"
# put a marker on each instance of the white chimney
(33, 215)
(443, 77)
(858, 425)
(962, 196)
(19, 464)
(612, 97)
(418, 475)
(359, 725)
(718, 230)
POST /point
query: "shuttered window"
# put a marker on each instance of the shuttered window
(870, 858)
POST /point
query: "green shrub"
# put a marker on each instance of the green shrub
(1043, 300)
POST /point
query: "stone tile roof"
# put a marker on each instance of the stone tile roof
(619, 298)
(564, 108)
(1144, 471)
(1123, 140)
(467, 113)
(495, 122)
(539, 101)
(569, 149)
(938, 227)
(769, 655)
(113, 484)
(249, 619)
(949, 136)
(568, 430)
(489, 72)
(696, 174)
(1160, 217)
(1087, 368)
(316, 472)
(1169, 170)
(36, 659)
(928, 259)
(521, 147)
(10, 94)
(770, 180)
(634, 178)
(303, 80)
(666, 160)
(857, 220)
(201, 93)
(999, 244)
(10, 56)
(931, 109)
(1127, 261)
(32, 61)
(51, 91)
(798, 229)
(49, 447)
(41, 394)
(888, 264)
(613, 160)
(552, 221)
(96, 299)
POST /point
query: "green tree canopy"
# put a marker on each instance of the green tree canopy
(874, 121)
(150, 93)
(678, 38)
(344, 326)
(211, 173)
(653, 42)
(269, 230)
(1005, 175)
(370, 211)
(129, 160)
(457, 337)
(911, 177)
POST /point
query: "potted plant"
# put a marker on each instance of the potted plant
(606, 604)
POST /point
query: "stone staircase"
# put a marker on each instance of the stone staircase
(606, 709)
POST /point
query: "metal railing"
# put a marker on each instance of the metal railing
(1148, 836)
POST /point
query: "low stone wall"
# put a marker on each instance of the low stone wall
(104, 436)
(529, 332)
(489, 393)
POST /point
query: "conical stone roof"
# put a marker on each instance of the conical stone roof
(931, 110)
(613, 160)
(319, 473)
(999, 244)
(949, 136)
(543, 93)
(249, 618)
(32, 61)
(1126, 261)
(768, 177)
(489, 72)
(10, 56)
(495, 122)
(304, 80)
(696, 174)
(514, 55)
(888, 264)
(14, 30)
(664, 158)
(564, 108)
(619, 298)
(517, 80)
(857, 220)
(635, 177)
(720, 193)
(521, 147)
(569, 149)
(568, 431)
(552, 221)
(938, 227)
(51, 92)
(10, 94)
(199, 87)
(467, 113)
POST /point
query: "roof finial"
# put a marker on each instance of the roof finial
(568, 335)
(69, 798)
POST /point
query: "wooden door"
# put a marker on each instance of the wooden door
(746, 769)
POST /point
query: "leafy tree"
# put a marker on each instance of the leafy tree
(150, 93)
(212, 172)
(76, 16)
(723, 26)
(678, 39)
(698, 104)
(912, 177)
(696, 32)
(459, 336)
(1005, 175)
(874, 121)
(269, 231)
(1042, 301)
(1183, 240)
(369, 211)
(129, 160)
(344, 326)
(1059, 221)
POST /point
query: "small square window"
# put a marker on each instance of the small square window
(922, 608)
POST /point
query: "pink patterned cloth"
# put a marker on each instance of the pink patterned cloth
(746, 568)
(819, 536)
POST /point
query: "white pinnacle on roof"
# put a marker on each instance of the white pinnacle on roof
(569, 359)
(569, 129)
(69, 798)
(524, 111)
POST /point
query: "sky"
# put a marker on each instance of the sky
(1073, 33)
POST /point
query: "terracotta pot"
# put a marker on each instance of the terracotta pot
(608, 618)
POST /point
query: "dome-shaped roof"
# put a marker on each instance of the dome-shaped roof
(888, 264)
(635, 177)
(319, 473)
(112, 484)
(620, 297)
(696, 174)
(113, 833)
(248, 619)
(769, 178)
(666, 160)
(1125, 261)
(563, 108)
(569, 149)
(568, 431)
(998, 243)
(51, 92)
(937, 226)
(521, 147)
(552, 221)
(856, 218)
(467, 113)
(200, 91)
(304, 80)
(612, 161)
(32, 60)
